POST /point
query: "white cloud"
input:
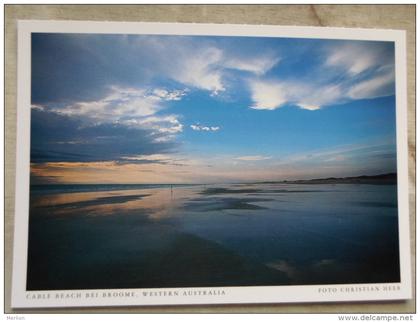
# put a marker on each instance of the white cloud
(200, 69)
(37, 107)
(355, 58)
(163, 124)
(206, 69)
(352, 71)
(204, 128)
(133, 108)
(312, 97)
(206, 66)
(267, 95)
(309, 107)
(381, 85)
(252, 158)
(272, 95)
(170, 96)
(255, 65)
(369, 73)
(192, 62)
(124, 102)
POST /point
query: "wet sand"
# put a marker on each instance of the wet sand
(213, 236)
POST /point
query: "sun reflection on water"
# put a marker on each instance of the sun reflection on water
(156, 203)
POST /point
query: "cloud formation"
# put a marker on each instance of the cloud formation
(351, 71)
(201, 70)
(357, 57)
(122, 103)
(382, 84)
(75, 68)
(129, 108)
(267, 95)
(257, 65)
(68, 138)
(272, 95)
(198, 127)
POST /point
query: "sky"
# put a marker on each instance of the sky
(204, 109)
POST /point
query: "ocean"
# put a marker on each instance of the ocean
(152, 236)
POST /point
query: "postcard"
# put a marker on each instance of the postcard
(173, 164)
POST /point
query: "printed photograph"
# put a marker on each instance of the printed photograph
(166, 161)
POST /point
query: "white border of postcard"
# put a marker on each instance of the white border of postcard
(215, 295)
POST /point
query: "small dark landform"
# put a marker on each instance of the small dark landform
(381, 179)
(212, 204)
(222, 191)
(101, 201)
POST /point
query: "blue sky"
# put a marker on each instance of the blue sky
(138, 108)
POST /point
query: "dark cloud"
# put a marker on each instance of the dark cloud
(36, 179)
(60, 138)
(79, 67)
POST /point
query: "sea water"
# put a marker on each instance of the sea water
(146, 236)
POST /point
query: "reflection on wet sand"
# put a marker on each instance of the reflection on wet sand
(156, 202)
(222, 235)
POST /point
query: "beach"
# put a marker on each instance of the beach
(253, 234)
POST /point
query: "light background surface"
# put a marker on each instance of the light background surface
(400, 17)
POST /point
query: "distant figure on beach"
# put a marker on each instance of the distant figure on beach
(172, 193)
